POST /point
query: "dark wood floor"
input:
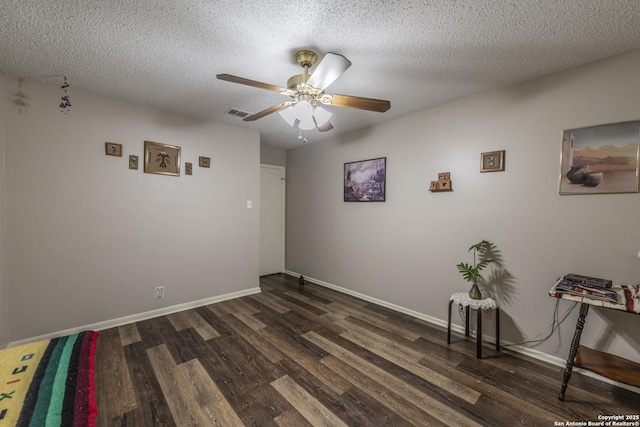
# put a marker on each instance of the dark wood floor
(293, 357)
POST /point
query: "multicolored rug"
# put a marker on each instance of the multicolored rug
(49, 383)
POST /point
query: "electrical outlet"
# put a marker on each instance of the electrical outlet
(159, 292)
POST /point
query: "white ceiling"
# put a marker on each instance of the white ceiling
(415, 53)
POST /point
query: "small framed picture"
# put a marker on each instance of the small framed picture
(204, 162)
(113, 149)
(188, 168)
(133, 162)
(162, 159)
(492, 161)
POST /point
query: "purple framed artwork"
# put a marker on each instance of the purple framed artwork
(365, 180)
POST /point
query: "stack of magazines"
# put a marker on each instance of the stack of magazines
(584, 286)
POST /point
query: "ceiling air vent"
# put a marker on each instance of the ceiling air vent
(238, 113)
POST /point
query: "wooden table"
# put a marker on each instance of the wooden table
(607, 365)
(463, 300)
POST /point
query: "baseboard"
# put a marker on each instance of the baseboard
(536, 354)
(139, 317)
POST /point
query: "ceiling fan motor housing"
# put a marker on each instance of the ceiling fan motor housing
(306, 58)
(299, 80)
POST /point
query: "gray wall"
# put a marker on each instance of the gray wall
(404, 251)
(272, 156)
(89, 240)
(4, 312)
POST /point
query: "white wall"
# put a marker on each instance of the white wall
(4, 314)
(89, 239)
(404, 251)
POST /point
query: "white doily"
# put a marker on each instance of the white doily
(464, 300)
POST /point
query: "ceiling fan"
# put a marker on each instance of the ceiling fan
(307, 93)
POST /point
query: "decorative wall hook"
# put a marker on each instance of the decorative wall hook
(65, 105)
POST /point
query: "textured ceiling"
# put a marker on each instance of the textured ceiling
(415, 53)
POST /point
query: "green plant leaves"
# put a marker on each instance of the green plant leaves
(480, 247)
(469, 272)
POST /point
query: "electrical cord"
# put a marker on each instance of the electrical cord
(555, 323)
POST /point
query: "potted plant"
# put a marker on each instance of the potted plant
(472, 273)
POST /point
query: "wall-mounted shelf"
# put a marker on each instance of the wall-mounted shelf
(442, 184)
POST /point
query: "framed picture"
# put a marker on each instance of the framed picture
(600, 159)
(188, 168)
(133, 162)
(204, 162)
(493, 161)
(162, 159)
(365, 181)
(113, 149)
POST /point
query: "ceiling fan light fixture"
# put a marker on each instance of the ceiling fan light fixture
(304, 114)
(289, 115)
(321, 116)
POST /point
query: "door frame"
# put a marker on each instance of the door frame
(284, 207)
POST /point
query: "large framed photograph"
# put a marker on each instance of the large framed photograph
(365, 180)
(600, 159)
(162, 159)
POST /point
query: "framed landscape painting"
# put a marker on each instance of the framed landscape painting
(365, 180)
(600, 159)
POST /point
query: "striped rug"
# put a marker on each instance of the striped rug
(49, 383)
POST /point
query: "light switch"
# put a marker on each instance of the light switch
(249, 204)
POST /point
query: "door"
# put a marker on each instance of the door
(272, 204)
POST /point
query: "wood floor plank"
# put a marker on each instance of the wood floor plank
(335, 296)
(175, 387)
(240, 306)
(259, 341)
(242, 311)
(384, 395)
(310, 408)
(270, 301)
(152, 409)
(297, 355)
(310, 362)
(407, 359)
(292, 418)
(372, 411)
(208, 396)
(352, 412)
(179, 320)
(310, 297)
(129, 334)
(191, 319)
(443, 412)
(383, 323)
(112, 373)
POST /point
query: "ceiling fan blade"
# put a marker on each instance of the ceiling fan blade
(329, 69)
(379, 105)
(248, 82)
(325, 127)
(266, 112)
